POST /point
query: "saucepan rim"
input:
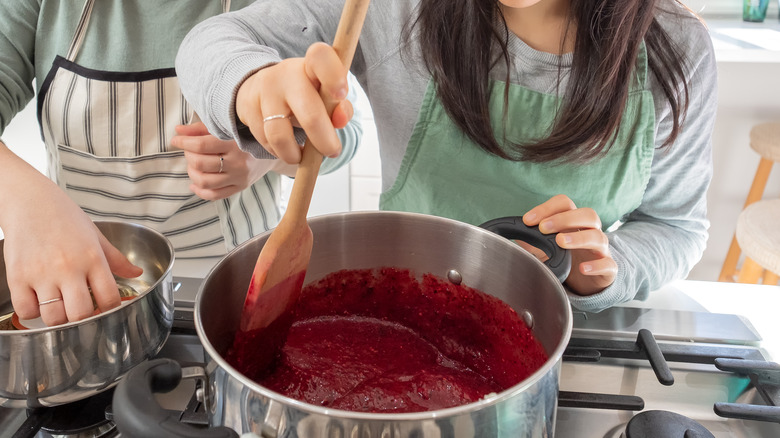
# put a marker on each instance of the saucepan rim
(101, 315)
(553, 361)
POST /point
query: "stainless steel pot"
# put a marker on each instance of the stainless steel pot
(69, 362)
(424, 244)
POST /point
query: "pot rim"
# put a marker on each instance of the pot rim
(134, 301)
(553, 360)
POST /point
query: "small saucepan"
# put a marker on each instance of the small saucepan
(50, 366)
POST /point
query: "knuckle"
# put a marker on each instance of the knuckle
(80, 311)
(289, 156)
(109, 302)
(52, 320)
(562, 199)
(15, 282)
(195, 177)
(199, 164)
(277, 138)
(258, 133)
(208, 195)
(94, 256)
(310, 116)
(594, 215)
(78, 316)
(199, 192)
(317, 49)
(26, 311)
(54, 314)
(605, 243)
(59, 262)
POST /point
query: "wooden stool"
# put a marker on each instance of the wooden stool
(758, 234)
(765, 140)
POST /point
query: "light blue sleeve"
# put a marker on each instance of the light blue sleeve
(350, 135)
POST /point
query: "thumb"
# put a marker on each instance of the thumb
(117, 262)
(342, 114)
(192, 130)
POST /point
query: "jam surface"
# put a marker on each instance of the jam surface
(384, 341)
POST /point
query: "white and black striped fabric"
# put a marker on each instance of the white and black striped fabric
(108, 138)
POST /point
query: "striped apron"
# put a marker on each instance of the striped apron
(107, 136)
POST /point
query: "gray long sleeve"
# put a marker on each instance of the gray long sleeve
(659, 242)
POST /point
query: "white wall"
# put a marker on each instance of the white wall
(749, 93)
(24, 137)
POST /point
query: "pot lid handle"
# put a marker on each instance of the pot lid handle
(512, 227)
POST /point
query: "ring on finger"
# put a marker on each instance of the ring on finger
(53, 300)
(221, 163)
(274, 117)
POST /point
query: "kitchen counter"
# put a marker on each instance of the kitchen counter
(756, 304)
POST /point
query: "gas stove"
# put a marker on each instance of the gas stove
(685, 374)
(627, 372)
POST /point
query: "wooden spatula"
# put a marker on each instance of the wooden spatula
(281, 267)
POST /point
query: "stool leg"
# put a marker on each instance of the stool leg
(729, 268)
(756, 191)
(770, 278)
(750, 272)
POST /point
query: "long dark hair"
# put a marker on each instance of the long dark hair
(458, 41)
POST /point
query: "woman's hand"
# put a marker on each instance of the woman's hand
(218, 168)
(579, 230)
(54, 252)
(292, 89)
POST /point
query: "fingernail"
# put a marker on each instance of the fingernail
(567, 239)
(341, 94)
(529, 217)
(587, 268)
(546, 225)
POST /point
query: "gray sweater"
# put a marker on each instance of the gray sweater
(659, 242)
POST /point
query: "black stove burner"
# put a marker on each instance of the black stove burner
(83, 418)
(664, 424)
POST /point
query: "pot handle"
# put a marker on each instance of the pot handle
(512, 227)
(137, 414)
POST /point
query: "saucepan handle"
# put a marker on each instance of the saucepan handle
(138, 415)
(512, 227)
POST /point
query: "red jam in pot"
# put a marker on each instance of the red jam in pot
(383, 341)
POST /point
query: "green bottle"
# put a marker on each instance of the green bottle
(754, 10)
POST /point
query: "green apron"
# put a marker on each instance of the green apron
(444, 173)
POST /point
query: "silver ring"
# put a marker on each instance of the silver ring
(221, 163)
(275, 116)
(53, 300)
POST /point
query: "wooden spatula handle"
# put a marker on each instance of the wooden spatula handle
(348, 33)
(345, 42)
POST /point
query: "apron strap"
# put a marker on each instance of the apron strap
(641, 66)
(81, 30)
